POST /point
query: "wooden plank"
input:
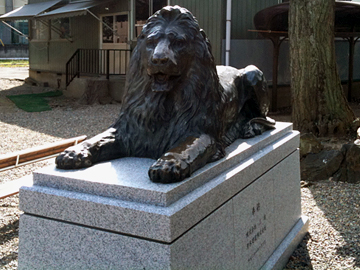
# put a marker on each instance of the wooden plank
(11, 188)
(26, 156)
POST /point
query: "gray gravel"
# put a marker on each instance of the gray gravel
(333, 208)
(22, 130)
(333, 241)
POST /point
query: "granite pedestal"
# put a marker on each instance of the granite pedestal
(241, 212)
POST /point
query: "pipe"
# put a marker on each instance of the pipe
(228, 33)
(13, 28)
(132, 21)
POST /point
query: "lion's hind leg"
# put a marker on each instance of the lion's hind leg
(254, 103)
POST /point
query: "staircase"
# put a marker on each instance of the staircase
(97, 62)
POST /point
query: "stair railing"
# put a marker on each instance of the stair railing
(97, 62)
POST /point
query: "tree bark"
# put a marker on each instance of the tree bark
(318, 102)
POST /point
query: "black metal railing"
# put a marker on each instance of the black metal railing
(97, 62)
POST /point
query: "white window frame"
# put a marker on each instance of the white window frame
(35, 36)
(55, 30)
(150, 13)
(113, 15)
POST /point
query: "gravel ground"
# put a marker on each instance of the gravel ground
(333, 240)
(333, 207)
(21, 130)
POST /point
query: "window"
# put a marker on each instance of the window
(120, 24)
(22, 26)
(60, 28)
(40, 31)
(144, 9)
(10, 36)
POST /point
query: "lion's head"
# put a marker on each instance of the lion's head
(169, 44)
(172, 77)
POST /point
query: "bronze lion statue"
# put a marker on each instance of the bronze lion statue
(178, 108)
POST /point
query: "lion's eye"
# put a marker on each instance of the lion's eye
(151, 43)
(180, 43)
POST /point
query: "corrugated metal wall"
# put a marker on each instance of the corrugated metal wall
(243, 12)
(211, 17)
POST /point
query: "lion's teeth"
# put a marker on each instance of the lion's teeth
(162, 76)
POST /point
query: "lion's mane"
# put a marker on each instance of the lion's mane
(159, 121)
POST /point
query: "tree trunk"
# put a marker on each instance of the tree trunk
(318, 102)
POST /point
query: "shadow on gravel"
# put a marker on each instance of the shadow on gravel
(341, 205)
(6, 260)
(300, 259)
(9, 231)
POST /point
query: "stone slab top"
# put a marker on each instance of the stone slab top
(127, 178)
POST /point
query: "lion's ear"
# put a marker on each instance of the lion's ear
(203, 34)
(208, 45)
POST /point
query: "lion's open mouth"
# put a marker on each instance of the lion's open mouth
(161, 78)
(162, 82)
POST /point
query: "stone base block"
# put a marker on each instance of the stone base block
(242, 212)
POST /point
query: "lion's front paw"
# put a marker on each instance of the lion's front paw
(74, 158)
(169, 170)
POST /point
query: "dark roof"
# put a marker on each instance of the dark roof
(275, 18)
(72, 9)
(29, 11)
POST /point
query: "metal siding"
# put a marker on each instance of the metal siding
(38, 55)
(211, 17)
(242, 15)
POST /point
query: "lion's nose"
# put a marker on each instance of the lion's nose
(161, 53)
(159, 59)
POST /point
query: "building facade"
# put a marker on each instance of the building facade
(64, 26)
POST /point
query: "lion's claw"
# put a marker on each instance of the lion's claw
(169, 170)
(74, 158)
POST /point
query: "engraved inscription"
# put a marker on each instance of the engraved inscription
(256, 251)
(254, 234)
(256, 237)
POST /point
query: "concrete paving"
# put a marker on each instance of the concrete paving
(15, 73)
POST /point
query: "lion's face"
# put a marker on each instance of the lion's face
(168, 44)
(167, 56)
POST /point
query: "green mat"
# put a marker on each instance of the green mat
(34, 102)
